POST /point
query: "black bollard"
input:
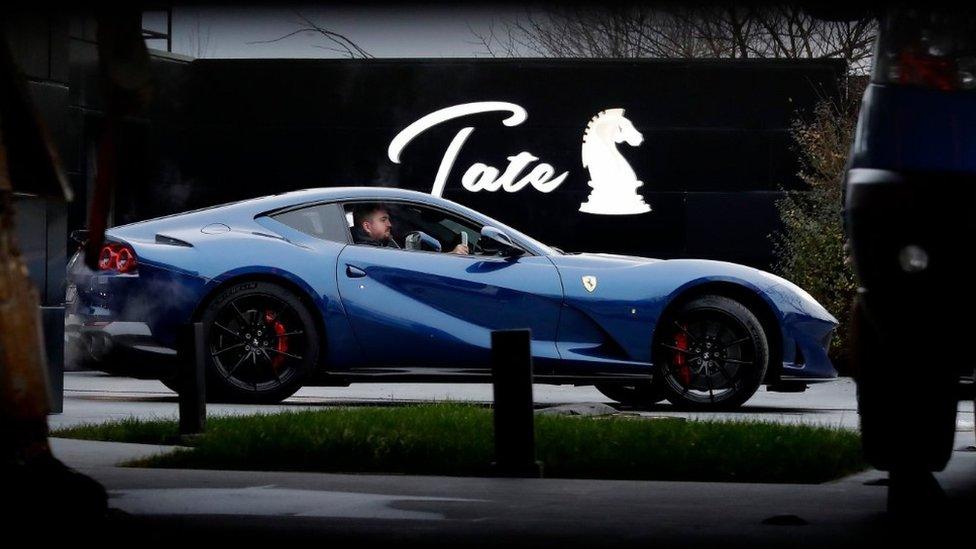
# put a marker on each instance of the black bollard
(511, 369)
(192, 381)
(52, 321)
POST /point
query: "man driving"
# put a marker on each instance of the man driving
(372, 226)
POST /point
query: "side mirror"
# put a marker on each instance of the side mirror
(506, 246)
(419, 240)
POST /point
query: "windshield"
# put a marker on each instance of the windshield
(518, 236)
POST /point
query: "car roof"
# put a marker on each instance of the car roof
(252, 207)
(246, 210)
(324, 194)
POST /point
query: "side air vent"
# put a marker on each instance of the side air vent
(170, 241)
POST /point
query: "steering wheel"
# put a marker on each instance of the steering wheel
(474, 247)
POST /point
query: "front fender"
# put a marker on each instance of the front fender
(631, 296)
(804, 327)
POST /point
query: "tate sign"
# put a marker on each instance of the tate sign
(613, 181)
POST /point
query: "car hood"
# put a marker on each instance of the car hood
(633, 278)
(602, 259)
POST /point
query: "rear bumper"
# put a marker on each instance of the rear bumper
(127, 323)
(118, 347)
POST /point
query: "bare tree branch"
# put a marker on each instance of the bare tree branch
(340, 43)
(678, 31)
(197, 41)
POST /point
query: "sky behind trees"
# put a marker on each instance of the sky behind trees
(383, 31)
(483, 30)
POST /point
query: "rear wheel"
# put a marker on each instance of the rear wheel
(711, 354)
(636, 395)
(262, 343)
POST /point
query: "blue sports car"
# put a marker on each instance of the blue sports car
(343, 285)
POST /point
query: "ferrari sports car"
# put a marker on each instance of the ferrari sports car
(289, 295)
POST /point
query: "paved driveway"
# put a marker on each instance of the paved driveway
(96, 397)
(176, 505)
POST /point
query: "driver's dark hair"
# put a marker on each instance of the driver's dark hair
(361, 211)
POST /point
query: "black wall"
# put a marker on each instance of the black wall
(57, 53)
(717, 148)
(716, 155)
(39, 46)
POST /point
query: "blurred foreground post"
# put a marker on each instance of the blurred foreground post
(192, 382)
(511, 372)
(35, 483)
(24, 401)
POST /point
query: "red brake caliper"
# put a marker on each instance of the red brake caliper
(282, 341)
(680, 362)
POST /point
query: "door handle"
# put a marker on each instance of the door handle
(354, 272)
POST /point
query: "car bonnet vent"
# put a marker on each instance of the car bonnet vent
(170, 241)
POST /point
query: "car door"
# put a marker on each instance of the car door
(435, 311)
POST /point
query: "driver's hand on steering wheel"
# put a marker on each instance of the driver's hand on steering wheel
(460, 249)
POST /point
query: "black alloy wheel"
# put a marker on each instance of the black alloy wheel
(262, 343)
(711, 354)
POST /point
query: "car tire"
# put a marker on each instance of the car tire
(907, 412)
(262, 343)
(638, 396)
(710, 354)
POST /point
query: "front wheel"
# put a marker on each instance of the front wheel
(711, 354)
(262, 343)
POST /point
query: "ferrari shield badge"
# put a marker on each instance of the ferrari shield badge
(589, 282)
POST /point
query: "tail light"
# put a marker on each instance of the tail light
(117, 257)
(933, 49)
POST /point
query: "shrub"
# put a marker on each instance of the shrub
(809, 249)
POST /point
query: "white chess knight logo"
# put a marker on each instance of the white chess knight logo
(613, 181)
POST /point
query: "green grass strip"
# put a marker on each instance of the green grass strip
(457, 440)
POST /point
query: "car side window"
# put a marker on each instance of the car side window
(325, 221)
(406, 218)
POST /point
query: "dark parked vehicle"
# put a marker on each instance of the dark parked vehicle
(910, 196)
